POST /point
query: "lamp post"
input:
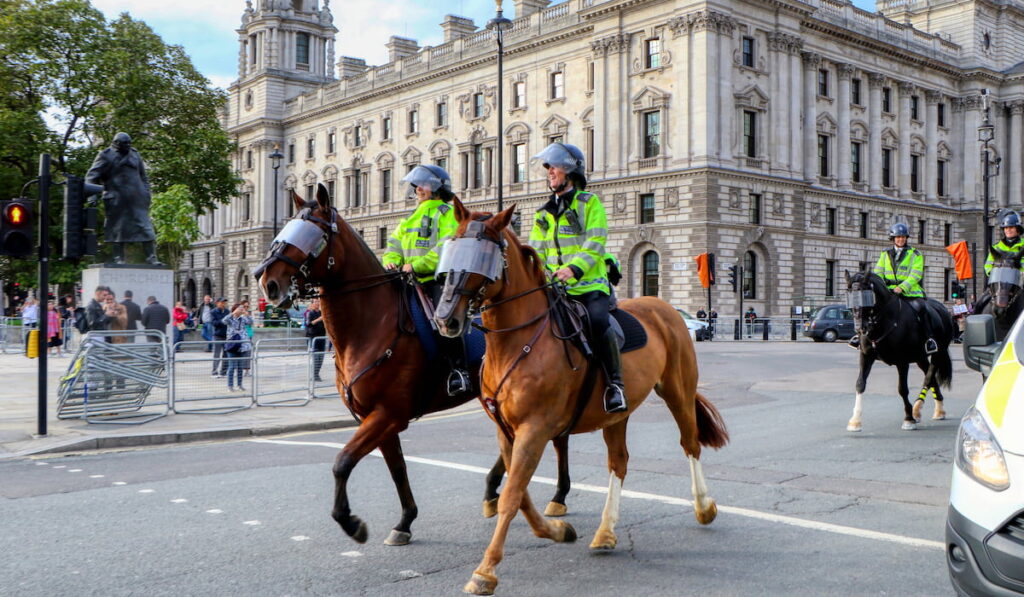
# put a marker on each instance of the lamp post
(275, 162)
(500, 24)
(986, 132)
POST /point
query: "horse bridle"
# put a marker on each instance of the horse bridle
(290, 235)
(871, 321)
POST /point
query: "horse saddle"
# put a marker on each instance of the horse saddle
(474, 342)
(571, 322)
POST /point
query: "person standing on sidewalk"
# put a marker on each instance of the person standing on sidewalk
(180, 315)
(155, 317)
(29, 318)
(132, 309)
(238, 346)
(54, 329)
(204, 318)
(316, 332)
(96, 313)
(220, 333)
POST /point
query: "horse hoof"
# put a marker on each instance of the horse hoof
(360, 534)
(604, 541)
(491, 508)
(555, 509)
(481, 584)
(909, 426)
(707, 515)
(853, 427)
(398, 538)
(940, 415)
(917, 409)
(567, 534)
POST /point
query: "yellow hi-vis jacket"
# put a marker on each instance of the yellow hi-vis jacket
(906, 274)
(417, 239)
(575, 240)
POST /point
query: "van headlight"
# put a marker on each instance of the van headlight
(978, 453)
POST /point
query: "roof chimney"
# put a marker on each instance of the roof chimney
(400, 47)
(350, 67)
(525, 8)
(456, 27)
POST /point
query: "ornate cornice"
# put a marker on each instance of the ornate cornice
(702, 20)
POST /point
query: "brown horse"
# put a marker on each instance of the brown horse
(531, 391)
(383, 373)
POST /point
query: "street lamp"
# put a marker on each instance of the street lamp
(500, 24)
(275, 163)
(986, 132)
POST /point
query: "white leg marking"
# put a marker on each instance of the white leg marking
(610, 516)
(698, 486)
(854, 424)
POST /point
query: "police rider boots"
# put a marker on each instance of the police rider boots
(614, 395)
(458, 379)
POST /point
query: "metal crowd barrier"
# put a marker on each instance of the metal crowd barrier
(769, 329)
(326, 386)
(201, 377)
(12, 335)
(282, 368)
(112, 378)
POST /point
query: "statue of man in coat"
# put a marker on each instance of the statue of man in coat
(126, 198)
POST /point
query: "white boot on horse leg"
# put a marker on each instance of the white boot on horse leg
(704, 507)
(854, 422)
(917, 409)
(604, 538)
(940, 413)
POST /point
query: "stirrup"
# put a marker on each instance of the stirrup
(930, 346)
(855, 342)
(615, 399)
(458, 382)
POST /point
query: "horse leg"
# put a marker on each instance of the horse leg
(391, 448)
(366, 438)
(909, 424)
(556, 507)
(866, 361)
(927, 384)
(521, 460)
(618, 457)
(939, 413)
(491, 487)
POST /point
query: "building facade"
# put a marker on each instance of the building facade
(784, 136)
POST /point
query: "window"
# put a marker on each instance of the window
(310, 193)
(945, 284)
(940, 112)
(750, 275)
(652, 53)
(652, 134)
(922, 230)
(590, 76)
(192, 261)
(414, 121)
(855, 91)
(382, 238)
(357, 188)
(947, 234)
(823, 82)
(519, 94)
(557, 85)
(652, 263)
(332, 142)
(310, 148)
(822, 155)
(519, 162)
(244, 248)
(647, 208)
(291, 152)
(940, 175)
(750, 133)
(385, 127)
(830, 221)
(855, 161)
(914, 103)
(357, 135)
(246, 206)
(330, 189)
(478, 166)
(590, 149)
(887, 99)
(248, 159)
(442, 113)
(830, 277)
(748, 52)
(863, 224)
(385, 185)
(755, 208)
(441, 163)
(887, 167)
(302, 49)
(478, 105)
(207, 259)
(915, 163)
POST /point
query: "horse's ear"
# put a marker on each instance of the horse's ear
(299, 202)
(461, 213)
(323, 197)
(504, 217)
(848, 277)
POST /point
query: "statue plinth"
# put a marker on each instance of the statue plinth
(143, 280)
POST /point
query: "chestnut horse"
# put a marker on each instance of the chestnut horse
(383, 373)
(530, 388)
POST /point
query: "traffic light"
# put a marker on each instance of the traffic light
(17, 223)
(956, 289)
(711, 268)
(79, 218)
(733, 277)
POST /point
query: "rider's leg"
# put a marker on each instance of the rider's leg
(453, 349)
(921, 310)
(606, 347)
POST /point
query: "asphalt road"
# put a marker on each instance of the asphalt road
(805, 508)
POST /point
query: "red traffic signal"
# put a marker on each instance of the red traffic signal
(17, 237)
(16, 214)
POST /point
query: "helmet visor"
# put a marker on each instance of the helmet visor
(555, 156)
(423, 177)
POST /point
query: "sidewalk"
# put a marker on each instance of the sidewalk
(19, 422)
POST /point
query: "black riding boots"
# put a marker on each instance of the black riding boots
(458, 379)
(614, 395)
(921, 310)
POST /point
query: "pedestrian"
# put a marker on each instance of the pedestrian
(203, 316)
(750, 317)
(220, 332)
(180, 317)
(95, 313)
(238, 346)
(117, 317)
(316, 332)
(54, 329)
(713, 321)
(155, 317)
(702, 314)
(29, 318)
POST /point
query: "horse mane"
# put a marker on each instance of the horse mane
(533, 261)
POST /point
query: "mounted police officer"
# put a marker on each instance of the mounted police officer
(1011, 245)
(415, 244)
(569, 232)
(902, 268)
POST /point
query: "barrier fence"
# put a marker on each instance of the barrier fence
(282, 372)
(760, 329)
(199, 382)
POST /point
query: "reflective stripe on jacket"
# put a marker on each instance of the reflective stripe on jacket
(906, 274)
(576, 239)
(417, 239)
(1014, 250)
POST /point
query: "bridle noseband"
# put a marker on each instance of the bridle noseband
(299, 233)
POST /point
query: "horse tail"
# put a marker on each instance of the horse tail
(711, 430)
(943, 368)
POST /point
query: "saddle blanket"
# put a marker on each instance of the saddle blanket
(631, 333)
(474, 340)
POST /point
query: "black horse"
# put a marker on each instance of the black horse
(1003, 301)
(890, 331)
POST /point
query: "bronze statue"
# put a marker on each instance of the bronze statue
(126, 198)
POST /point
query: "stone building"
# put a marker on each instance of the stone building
(782, 135)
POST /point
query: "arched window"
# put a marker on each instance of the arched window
(652, 265)
(750, 275)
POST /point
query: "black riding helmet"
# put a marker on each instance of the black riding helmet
(1011, 218)
(898, 229)
(567, 157)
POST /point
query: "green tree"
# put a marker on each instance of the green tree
(175, 222)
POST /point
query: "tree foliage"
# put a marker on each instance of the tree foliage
(175, 222)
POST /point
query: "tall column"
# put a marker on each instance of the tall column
(682, 100)
(796, 146)
(704, 66)
(906, 90)
(843, 134)
(726, 101)
(616, 150)
(875, 82)
(778, 60)
(971, 151)
(811, 63)
(601, 103)
(1015, 147)
(931, 139)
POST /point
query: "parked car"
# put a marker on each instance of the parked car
(830, 323)
(698, 328)
(985, 520)
(275, 317)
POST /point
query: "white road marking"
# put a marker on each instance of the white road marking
(95, 476)
(253, 523)
(179, 501)
(352, 554)
(59, 466)
(118, 483)
(407, 574)
(147, 491)
(300, 538)
(74, 470)
(664, 499)
(42, 463)
(215, 511)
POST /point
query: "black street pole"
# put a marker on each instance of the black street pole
(974, 270)
(499, 24)
(987, 232)
(44, 282)
(275, 162)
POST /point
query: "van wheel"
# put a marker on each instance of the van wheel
(829, 336)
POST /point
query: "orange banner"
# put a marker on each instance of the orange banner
(961, 260)
(703, 271)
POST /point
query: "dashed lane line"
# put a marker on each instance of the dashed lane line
(664, 499)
